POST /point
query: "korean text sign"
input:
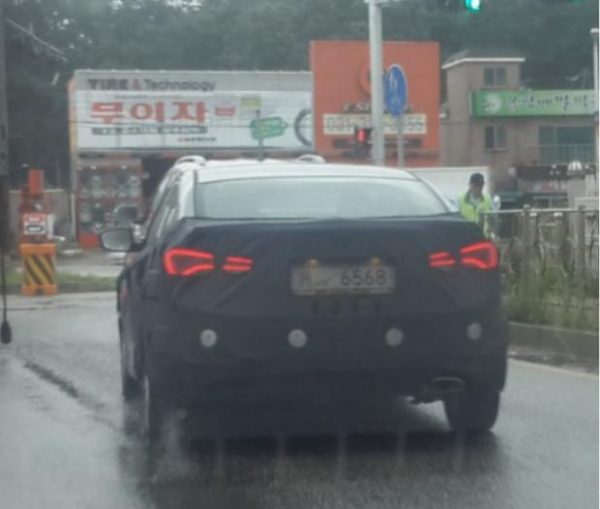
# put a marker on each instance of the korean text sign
(531, 103)
(158, 120)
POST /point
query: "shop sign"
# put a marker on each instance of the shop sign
(532, 103)
(153, 120)
(344, 124)
(268, 128)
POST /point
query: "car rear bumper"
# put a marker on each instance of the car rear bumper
(185, 384)
(342, 359)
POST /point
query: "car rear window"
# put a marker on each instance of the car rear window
(316, 198)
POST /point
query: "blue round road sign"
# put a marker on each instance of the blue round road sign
(396, 90)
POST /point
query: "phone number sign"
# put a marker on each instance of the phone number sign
(344, 124)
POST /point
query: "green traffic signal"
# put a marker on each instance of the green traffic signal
(473, 5)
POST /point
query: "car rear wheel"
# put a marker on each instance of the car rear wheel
(154, 414)
(472, 411)
(130, 387)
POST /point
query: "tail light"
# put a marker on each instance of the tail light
(188, 262)
(441, 259)
(482, 255)
(236, 264)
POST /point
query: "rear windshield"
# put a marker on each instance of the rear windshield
(316, 198)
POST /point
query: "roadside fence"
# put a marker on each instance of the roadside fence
(536, 241)
(549, 263)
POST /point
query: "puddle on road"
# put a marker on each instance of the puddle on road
(49, 376)
(251, 463)
(98, 409)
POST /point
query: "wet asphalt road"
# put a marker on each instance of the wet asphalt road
(66, 439)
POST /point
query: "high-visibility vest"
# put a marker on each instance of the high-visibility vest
(470, 210)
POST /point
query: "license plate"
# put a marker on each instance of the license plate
(343, 279)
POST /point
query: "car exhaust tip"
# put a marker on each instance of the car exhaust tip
(448, 384)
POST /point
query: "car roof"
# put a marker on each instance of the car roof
(215, 171)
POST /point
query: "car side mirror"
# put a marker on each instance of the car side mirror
(117, 239)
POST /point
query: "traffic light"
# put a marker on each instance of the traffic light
(362, 136)
(473, 5)
(362, 141)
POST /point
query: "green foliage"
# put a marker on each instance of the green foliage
(256, 34)
(67, 283)
(553, 298)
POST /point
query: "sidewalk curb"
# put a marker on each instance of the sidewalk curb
(570, 342)
(69, 254)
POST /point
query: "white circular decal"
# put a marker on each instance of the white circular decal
(493, 103)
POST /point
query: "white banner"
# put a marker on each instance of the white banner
(343, 125)
(172, 120)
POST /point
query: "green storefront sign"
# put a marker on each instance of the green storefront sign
(271, 127)
(533, 103)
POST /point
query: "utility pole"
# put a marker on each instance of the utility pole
(5, 330)
(594, 34)
(400, 141)
(375, 45)
(40, 46)
(4, 160)
(261, 141)
(49, 51)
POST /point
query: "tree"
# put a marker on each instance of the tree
(258, 34)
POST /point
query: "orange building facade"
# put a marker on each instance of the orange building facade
(342, 99)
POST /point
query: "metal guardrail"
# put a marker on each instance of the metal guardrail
(534, 241)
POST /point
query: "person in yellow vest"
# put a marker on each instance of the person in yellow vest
(474, 201)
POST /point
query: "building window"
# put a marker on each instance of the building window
(501, 76)
(561, 145)
(494, 77)
(547, 135)
(495, 137)
(489, 78)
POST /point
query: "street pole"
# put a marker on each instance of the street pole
(4, 161)
(594, 34)
(400, 140)
(261, 142)
(375, 45)
(5, 330)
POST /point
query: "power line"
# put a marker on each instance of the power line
(36, 42)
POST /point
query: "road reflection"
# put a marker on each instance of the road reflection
(310, 470)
